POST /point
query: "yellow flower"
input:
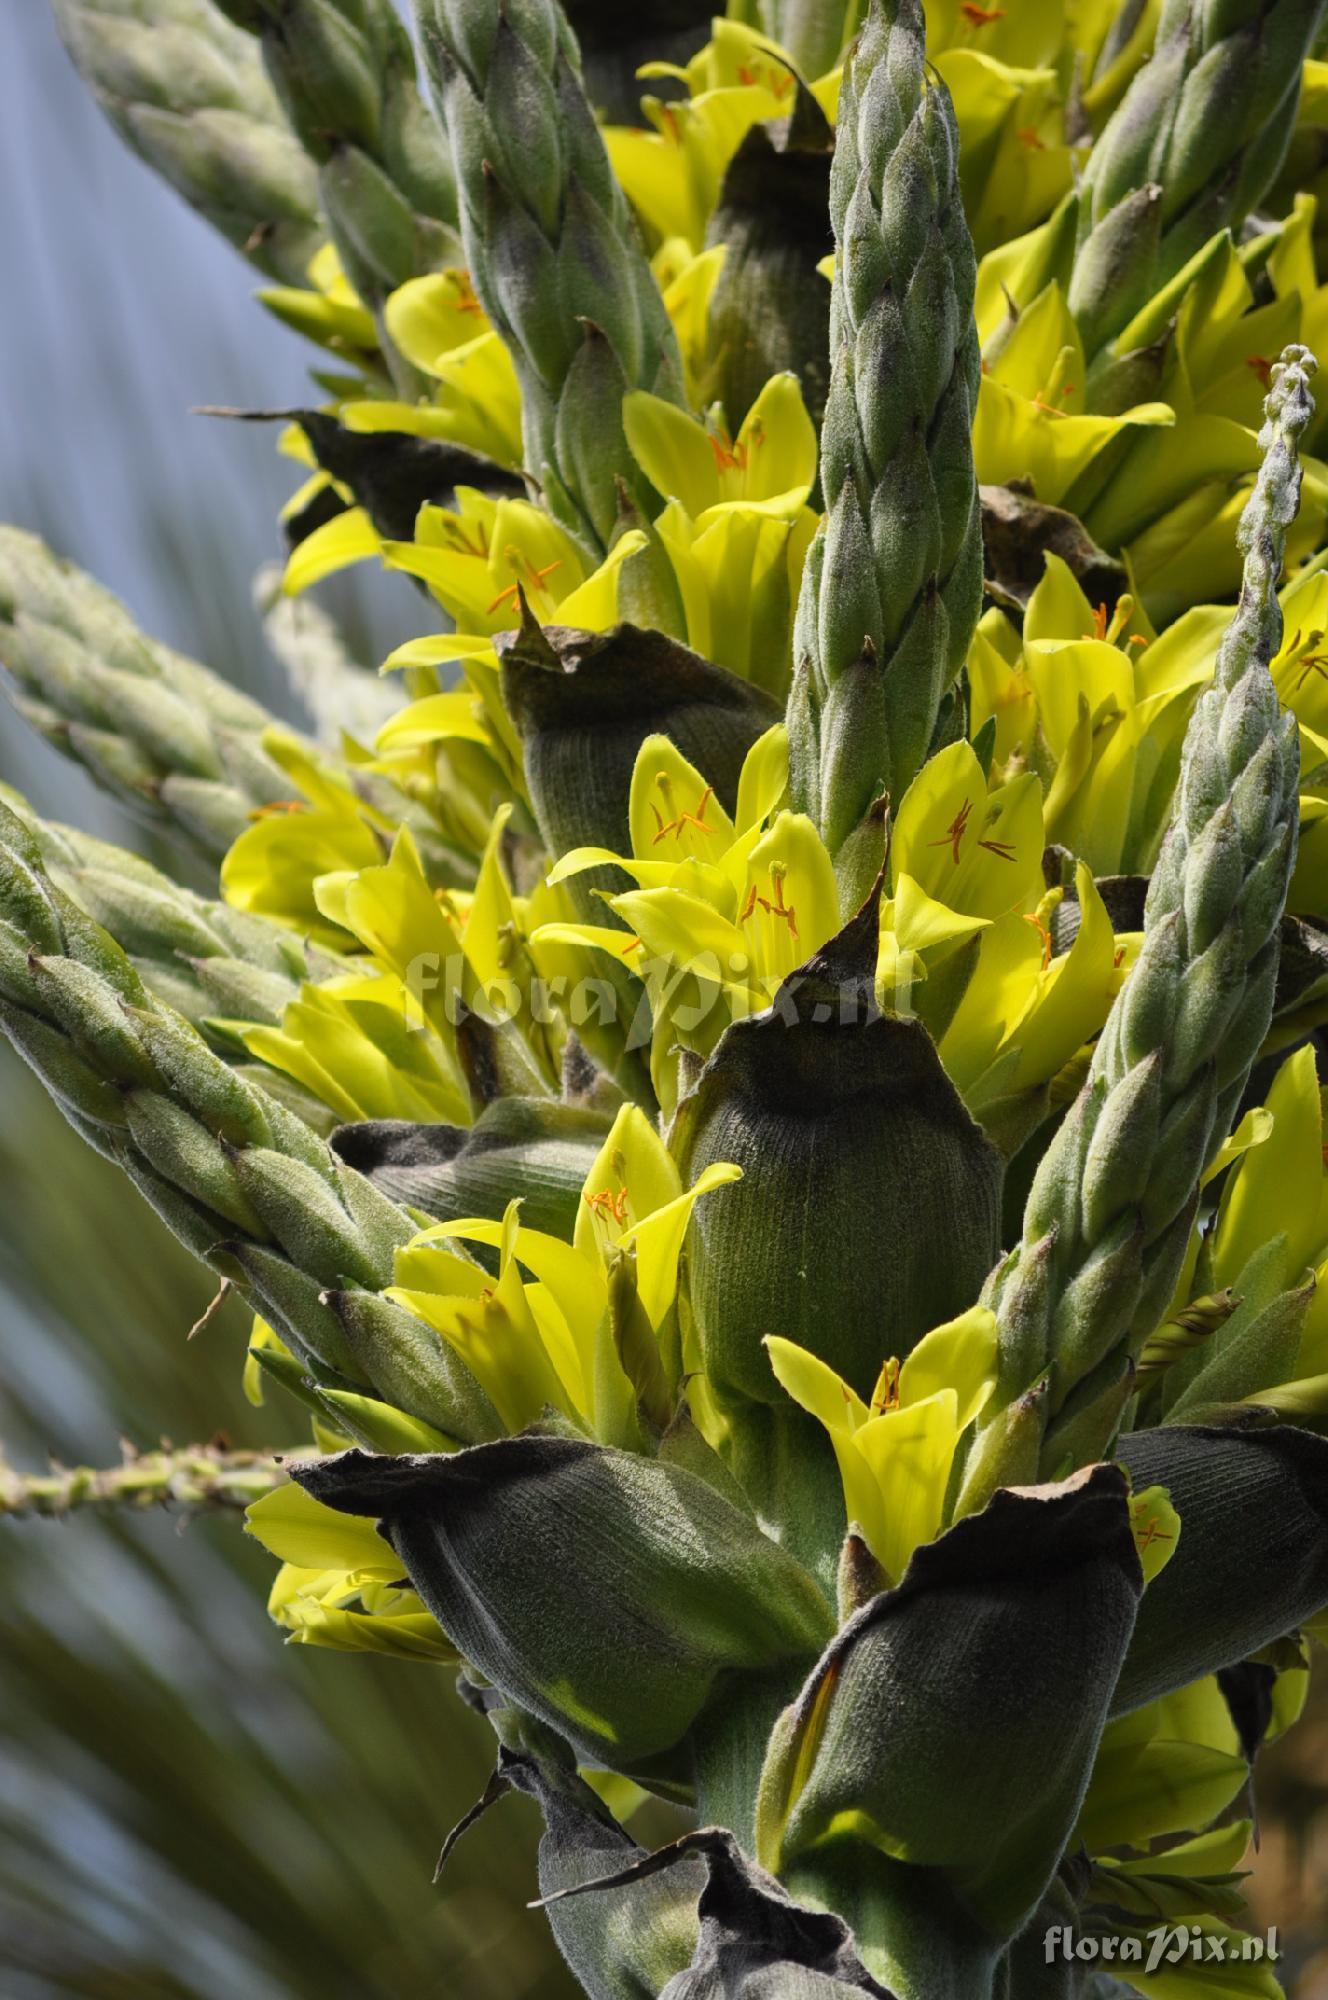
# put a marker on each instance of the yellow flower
(895, 1453)
(440, 327)
(673, 173)
(723, 909)
(361, 1046)
(339, 1583)
(770, 466)
(273, 866)
(548, 1340)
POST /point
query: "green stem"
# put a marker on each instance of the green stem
(196, 1479)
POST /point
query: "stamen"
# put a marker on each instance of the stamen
(276, 806)
(955, 832)
(887, 1396)
(466, 300)
(779, 908)
(1045, 936)
(608, 1205)
(1310, 661)
(533, 577)
(683, 819)
(728, 455)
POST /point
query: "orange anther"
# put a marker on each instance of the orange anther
(1045, 936)
(728, 455)
(1028, 137)
(955, 832)
(1150, 1533)
(275, 806)
(533, 578)
(778, 908)
(606, 1203)
(684, 819)
(981, 17)
(465, 300)
(1262, 367)
(1311, 661)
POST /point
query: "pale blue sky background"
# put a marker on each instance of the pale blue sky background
(118, 311)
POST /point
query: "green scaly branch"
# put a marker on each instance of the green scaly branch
(175, 743)
(240, 1179)
(552, 248)
(1190, 150)
(1112, 1206)
(893, 582)
(345, 72)
(187, 92)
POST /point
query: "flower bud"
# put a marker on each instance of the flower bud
(973, 1776)
(1252, 1560)
(610, 1595)
(583, 703)
(870, 1203)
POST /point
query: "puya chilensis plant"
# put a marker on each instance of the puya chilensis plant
(687, 1383)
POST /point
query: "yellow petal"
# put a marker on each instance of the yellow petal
(658, 1240)
(764, 779)
(777, 441)
(593, 605)
(301, 1530)
(909, 1452)
(632, 1175)
(345, 539)
(672, 811)
(814, 1385)
(961, 1355)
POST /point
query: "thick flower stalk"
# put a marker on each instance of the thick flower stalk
(552, 249)
(892, 586)
(186, 90)
(238, 1178)
(345, 72)
(171, 740)
(1112, 1206)
(167, 737)
(197, 954)
(1191, 149)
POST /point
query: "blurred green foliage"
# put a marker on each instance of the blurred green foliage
(187, 1807)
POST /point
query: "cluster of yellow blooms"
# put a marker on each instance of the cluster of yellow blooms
(1076, 717)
